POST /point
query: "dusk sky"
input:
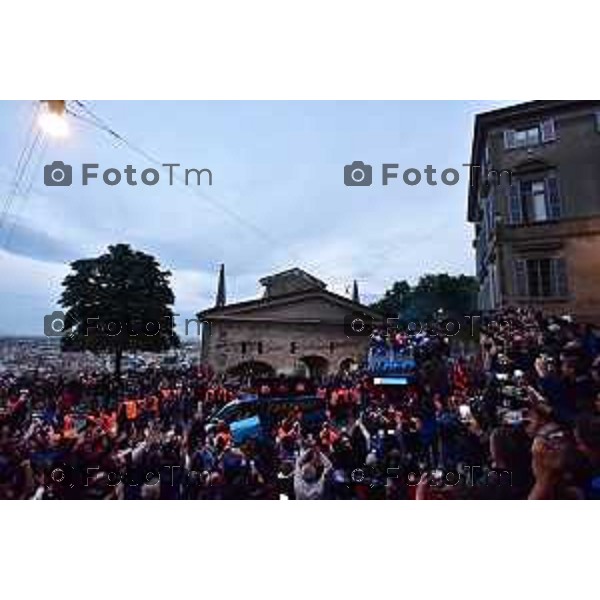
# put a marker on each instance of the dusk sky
(277, 198)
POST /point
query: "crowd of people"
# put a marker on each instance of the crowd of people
(517, 419)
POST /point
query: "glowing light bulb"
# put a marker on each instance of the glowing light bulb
(54, 124)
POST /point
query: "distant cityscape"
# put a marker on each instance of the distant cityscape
(20, 355)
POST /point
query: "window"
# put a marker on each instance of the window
(538, 278)
(331, 347)
(527, 137)
(293, 347)
(534, 203)
(541, 278)
(532, 135)
(259, 347)
(244, 347)
(534, 200)
(537, 201)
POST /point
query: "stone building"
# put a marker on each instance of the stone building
(297, 327)
(534, 200)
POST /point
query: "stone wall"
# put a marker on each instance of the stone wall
(227, 344)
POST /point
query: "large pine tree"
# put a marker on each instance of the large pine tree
(120, 301)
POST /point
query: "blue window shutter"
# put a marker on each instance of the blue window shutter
(484, 215)
(548, 130)
(553, 203)
(516, 214)
(520, 278)
(560, 286)
(509, 139)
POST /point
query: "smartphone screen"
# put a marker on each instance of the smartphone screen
(464, 411)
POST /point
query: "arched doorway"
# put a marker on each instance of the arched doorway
(315, 366)
(251, 369)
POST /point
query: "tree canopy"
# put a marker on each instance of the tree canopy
(455, 295)
(119, 301)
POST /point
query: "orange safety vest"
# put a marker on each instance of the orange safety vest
(68, 423)
(131, 409)
(109, 422)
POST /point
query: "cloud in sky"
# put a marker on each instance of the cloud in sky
(277, 198)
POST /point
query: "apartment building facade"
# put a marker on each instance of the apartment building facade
(534, 200)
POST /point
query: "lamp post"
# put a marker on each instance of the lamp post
(52, 118)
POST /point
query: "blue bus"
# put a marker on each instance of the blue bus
(253, 416)
(392, 366)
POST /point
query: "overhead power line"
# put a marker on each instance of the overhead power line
(92, 118)
(21, 169)
(25, 191)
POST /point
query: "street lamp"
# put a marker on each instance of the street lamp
(52, 118)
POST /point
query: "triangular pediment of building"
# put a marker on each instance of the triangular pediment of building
(312, 306)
